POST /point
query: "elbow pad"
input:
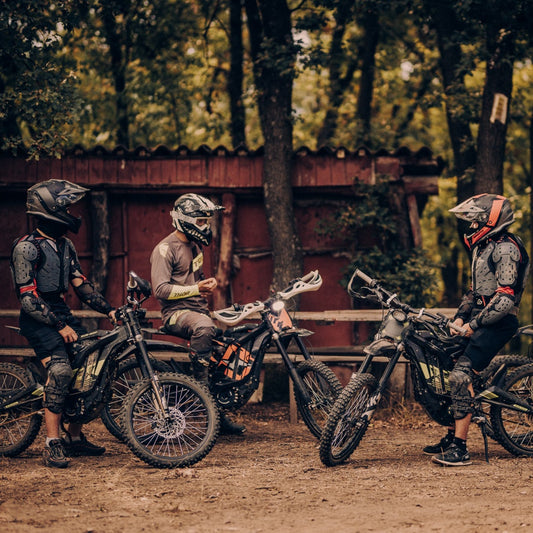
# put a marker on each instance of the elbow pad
(90, 296)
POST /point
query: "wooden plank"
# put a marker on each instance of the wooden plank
(337, 315)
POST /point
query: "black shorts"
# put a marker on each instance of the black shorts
(45, 340)
(487, 341)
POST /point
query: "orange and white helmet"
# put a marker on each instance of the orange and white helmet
(488, 215)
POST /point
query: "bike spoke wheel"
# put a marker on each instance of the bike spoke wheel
(347, 423)
(513, 427)
(323, 389)
(128, 375)
(183, 434)
(18, 425)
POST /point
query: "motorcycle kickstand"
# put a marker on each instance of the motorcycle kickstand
(481, 421)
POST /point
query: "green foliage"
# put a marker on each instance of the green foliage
(371, 231)
(37, 92)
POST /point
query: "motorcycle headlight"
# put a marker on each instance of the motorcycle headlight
(277, 306)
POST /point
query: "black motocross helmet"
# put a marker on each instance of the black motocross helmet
(488, 214)
(192, 216)
(49, 201)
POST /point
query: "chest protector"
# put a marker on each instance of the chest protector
(496, 263)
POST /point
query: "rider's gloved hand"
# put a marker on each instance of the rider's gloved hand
(112, 315)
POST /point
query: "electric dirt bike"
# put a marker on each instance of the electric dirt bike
(167, 420)
(239, 352)
(503, 403)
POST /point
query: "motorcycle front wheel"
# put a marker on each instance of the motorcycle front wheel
(323, 388)
(513, 427)
(347, 422)
(127, 376)
(21, 422)
(181, 435)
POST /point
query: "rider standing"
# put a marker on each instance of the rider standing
(488, 311)
(43, 264)
(181, 287)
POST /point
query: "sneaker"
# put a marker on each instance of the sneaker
(82, 447)
(453, 456)
(440, 447)
(228, 427)
(54, 455)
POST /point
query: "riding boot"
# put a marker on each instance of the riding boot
(201, 374)
(229, 427)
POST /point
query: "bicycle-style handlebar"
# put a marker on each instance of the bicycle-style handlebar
(236, 313)
(391, 300)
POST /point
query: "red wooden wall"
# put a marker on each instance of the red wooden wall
(143, 184)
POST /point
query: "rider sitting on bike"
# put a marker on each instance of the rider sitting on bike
(43, 264)
(488, 310)
(181, 287)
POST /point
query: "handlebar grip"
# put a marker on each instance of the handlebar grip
(367, 279)
(457, 328)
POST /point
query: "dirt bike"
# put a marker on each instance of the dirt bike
(239, 352)
(503, 403)
(167, 420)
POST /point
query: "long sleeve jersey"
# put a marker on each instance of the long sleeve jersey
(176, 268)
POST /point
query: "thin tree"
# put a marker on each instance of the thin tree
(274, 52)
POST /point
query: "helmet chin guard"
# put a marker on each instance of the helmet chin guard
(192, 215)
(488, 215)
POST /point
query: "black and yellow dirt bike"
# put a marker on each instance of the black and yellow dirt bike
(503, 404)
(167, 420)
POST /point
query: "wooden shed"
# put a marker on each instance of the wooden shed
(138, 188)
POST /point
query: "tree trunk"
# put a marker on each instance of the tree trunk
(370, 23)
(118, 71)
(274, 54)
(222, 297)
(99, 210)
(462, 141)
(337, 82)
(238, 136)
(494, 112)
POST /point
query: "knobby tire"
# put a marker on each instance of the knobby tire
(127, 376)
(346, 425)
(184, 436)
(19, 426)
(514, 429)
(323, 387)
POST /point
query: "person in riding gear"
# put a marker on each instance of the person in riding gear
(488, 311)
(180, 285)
(43, 265)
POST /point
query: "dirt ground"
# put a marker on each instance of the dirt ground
(272, 480)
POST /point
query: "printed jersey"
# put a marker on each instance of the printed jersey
(499, 271)
(42, 270)
(177, 267)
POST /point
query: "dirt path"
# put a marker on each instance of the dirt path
(272, 480)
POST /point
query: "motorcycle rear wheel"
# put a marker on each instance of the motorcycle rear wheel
(181, 436)
(127, 376)
(514, 429)
(19, 425)
(347, 423)
(323, 387)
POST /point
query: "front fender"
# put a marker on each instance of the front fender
(384, 347)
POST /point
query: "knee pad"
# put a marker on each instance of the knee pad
(460, 379)
(56, 388)
(202, 339)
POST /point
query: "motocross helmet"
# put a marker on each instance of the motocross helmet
(49, 201)
(192, 215)
(488, 214)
